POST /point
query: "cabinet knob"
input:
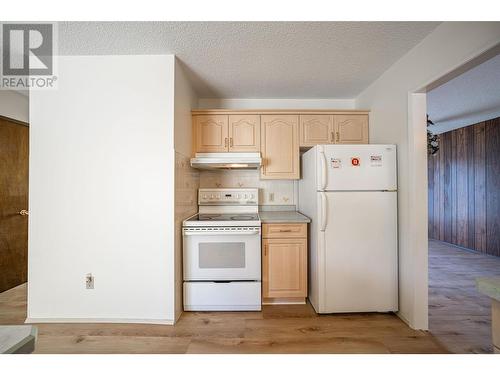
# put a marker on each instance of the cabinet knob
(338, 136)
(23, 213)
(231, 142)
(225, 142)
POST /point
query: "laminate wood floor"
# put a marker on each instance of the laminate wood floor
(459, 320)
(276, 329)
(459, 316)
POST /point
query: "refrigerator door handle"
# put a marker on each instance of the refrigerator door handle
(324, 170)
(324, 207)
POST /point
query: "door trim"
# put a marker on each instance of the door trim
(19, 122)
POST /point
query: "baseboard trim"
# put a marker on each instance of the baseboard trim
(406, 321)
(466, 249)
(99, 320)
(284, 301)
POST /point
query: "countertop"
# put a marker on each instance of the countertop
(268, 217)
(489, 286)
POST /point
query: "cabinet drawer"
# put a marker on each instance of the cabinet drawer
(284, 230)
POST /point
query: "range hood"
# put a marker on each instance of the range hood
(227, 160)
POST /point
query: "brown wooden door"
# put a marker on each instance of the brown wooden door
(13, 198)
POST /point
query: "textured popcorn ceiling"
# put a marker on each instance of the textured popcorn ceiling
(467, 99)
(258, 59)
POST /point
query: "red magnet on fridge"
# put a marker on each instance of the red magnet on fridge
(355, 162)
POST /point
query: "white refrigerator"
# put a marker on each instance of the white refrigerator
(350, 194)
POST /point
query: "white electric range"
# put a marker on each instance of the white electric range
(222, 252)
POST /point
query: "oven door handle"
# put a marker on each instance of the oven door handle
(221, 233)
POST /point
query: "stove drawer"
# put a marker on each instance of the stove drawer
(225, 296)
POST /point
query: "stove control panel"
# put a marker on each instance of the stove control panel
(234, 196)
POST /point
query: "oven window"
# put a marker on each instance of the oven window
(221, 255)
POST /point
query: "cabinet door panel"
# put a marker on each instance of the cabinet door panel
(284, 268)
(280, 146)
(244, 133)
(211, 133)
(351, 129)
(316, 130)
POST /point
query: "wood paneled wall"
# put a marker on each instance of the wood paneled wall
(464, 188)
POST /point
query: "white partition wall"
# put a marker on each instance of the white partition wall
(395, 113)
(102, 192)
(187, 179)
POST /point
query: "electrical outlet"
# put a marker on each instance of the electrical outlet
(89, 281)
(271, 197)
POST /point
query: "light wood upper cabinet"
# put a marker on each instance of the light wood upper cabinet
(244, 133)
(277, 134)
(280, 146)
(333, 129)
(211, 133)
(351, 129)
(316, 130)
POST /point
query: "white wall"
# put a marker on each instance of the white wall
(277, 103)
(14, 105)
(449, 46)
(101, 192)
(185, 100)
(187, 179)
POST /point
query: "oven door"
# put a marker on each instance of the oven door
(221, 253)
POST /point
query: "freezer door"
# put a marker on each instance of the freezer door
(360, 252)
(356, 167)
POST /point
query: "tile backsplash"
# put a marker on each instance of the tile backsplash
(271, 192)
(187, 181)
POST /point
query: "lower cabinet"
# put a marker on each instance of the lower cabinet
(284, 263)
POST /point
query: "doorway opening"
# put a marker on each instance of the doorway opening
(463, 204)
